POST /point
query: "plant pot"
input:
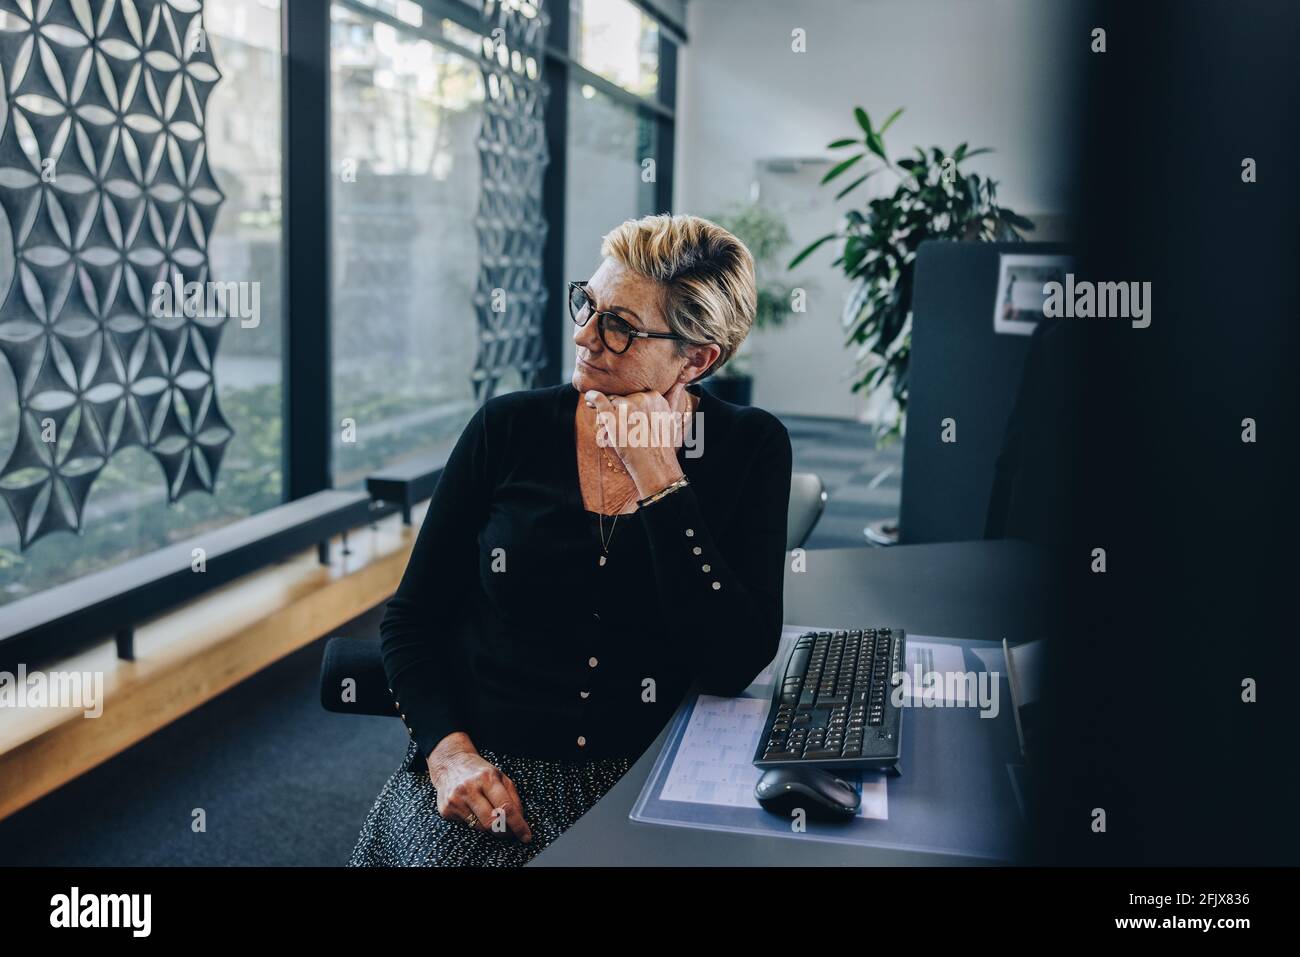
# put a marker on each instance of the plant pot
(736, 389)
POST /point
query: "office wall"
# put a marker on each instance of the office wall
(965, 70)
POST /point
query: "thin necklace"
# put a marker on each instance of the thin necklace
(605, 542)
(600, 516)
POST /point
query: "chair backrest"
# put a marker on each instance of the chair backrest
(807, 502)
(960, 369)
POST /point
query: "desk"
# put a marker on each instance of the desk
(987, 590)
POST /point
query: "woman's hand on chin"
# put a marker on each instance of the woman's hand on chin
(648, 453)
(471, 789)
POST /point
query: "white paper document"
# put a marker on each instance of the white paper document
(713, 764)
(934, 662)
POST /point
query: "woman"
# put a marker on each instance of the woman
(603, 572)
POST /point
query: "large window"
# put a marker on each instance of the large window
(390, 322)
(405, 114)
(613, 169)
(618, 145)
(617, 40)
(127, 512)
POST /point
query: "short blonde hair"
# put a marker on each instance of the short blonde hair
(707, 275)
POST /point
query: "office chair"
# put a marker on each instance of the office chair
(807, 503)
(358, 659)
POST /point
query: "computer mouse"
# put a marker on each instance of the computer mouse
(821, 795)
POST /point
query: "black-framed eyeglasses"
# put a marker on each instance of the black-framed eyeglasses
(615, 331)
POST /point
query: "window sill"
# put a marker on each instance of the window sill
(194, 653)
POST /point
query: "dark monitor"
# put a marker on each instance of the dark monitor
(963, 381)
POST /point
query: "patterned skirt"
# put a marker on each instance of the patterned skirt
(404, 828)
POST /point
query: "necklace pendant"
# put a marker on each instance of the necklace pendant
(602, 559)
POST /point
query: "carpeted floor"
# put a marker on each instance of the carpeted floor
(262, 761)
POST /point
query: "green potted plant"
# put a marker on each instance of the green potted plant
(935, 199)
(766, 235)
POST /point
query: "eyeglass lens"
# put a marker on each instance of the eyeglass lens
(614, 332)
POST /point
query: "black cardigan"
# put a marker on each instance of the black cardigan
(563, 658)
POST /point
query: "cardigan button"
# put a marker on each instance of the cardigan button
(690, 533)
(584, 695)
(697, 550)
(592, 662)
(582, 742)
(717, 585)
(706, 568)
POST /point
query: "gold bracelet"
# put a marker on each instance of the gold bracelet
(649, 499)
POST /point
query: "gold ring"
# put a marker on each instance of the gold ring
(472, 820)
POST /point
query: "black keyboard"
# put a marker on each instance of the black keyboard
(833, 705)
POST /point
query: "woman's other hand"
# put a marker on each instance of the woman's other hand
(472, 790)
